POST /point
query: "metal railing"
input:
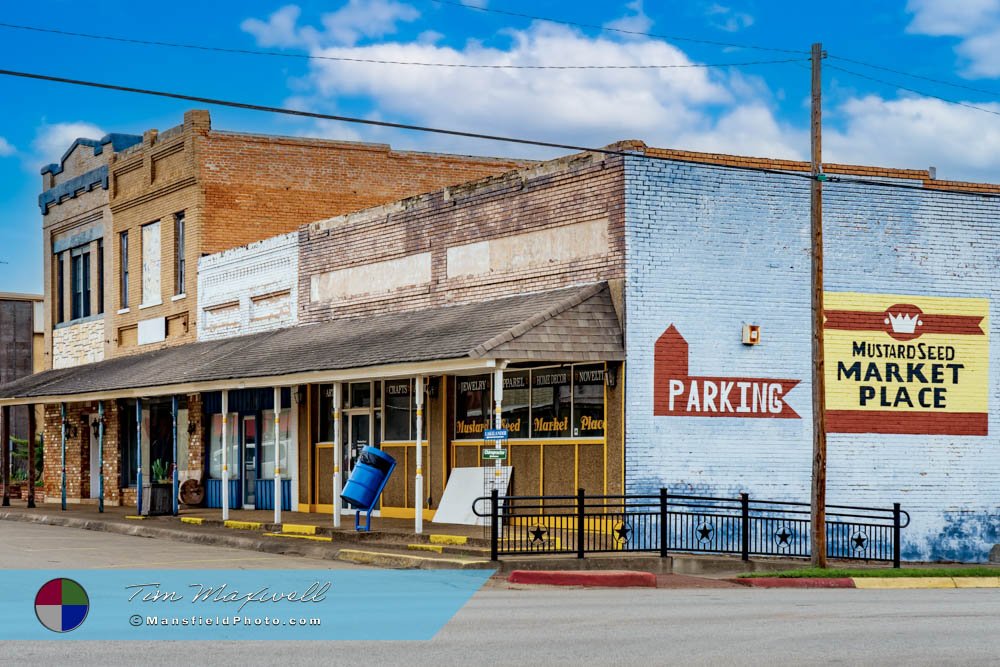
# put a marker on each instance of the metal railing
(582, 524)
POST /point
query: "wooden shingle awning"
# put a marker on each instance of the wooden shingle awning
(566, 325)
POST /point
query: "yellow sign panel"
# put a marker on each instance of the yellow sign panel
(906, 364)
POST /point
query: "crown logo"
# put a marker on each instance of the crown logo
(902, 323)
(903, 320)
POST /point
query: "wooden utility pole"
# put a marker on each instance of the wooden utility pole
(818, 516)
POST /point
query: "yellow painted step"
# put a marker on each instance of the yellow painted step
(298, 529)
(243, 525)
(903, 582)
(436, 548)
(135, 517)
(194, 520)
(449, 539)
(315, 538)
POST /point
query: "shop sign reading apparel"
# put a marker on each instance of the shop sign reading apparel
(676, 393)
(906, 364)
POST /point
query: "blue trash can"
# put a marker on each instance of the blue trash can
(368, 478)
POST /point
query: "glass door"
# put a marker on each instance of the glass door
(249, 462)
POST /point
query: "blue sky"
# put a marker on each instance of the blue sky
(756, 110)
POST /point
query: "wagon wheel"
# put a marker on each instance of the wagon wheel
(192, 492)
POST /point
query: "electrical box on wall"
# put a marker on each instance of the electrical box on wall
(751, 334)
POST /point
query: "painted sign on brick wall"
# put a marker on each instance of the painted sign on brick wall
(677, 393)
(906, 364)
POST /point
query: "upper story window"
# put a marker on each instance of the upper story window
(151, 264)
(123, 269)
(80, 282)
(179, 262)
(60, 288)
(100, 276)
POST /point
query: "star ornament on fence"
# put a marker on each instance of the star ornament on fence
(860, 541)
(622, 532)
(783, 537)
(537, 534)
(704, 532)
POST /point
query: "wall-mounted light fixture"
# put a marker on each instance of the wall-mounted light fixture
(751, 334)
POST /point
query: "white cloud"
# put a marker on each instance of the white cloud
(634, 22)
(354, 21)
(725, 18)
(52, 140)
(6, 148)
(975, 22)
(917, 132)
(279, 29)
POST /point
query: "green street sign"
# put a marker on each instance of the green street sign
(494, 454)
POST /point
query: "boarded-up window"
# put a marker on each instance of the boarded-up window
(151, 264)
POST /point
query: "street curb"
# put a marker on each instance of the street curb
(399, 561)
(786, 582)
(600, 578)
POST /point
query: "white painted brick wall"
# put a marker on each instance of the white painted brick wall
(256, 277)
(711, 248)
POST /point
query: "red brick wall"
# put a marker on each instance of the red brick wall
(576, 189)
(258, 186)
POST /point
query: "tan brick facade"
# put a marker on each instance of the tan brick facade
(234, 189)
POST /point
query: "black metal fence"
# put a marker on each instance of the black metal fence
(582, 524)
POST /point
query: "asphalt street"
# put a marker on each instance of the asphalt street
(502, 626)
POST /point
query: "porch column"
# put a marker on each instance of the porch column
(62, 412)
(5, 456)
(338, 437)
(418, 482)
(31, 456)
(225, 455)
(498, 423)
(174, 479)
(277, 455)
(100, 452)
(138, 456)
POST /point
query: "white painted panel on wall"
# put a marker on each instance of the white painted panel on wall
(152, 330)
(372, 279)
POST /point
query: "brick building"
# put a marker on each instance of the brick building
(415, 323)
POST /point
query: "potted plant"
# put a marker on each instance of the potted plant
(161, 490)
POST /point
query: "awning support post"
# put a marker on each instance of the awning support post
(225, 455)
(338, 449)
(5, 458)
(62, 412)
(174, 480)
(418, 482)
(31, 457)
(138, 456)
(498, 422)
(277, 455)
(100, 453)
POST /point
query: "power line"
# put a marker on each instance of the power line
(360, 121)
(309, 56)
(917, 76)
(914, 90)
(578, 24)
(460, 133)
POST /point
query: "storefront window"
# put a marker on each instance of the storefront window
(472, 406)
(516, 416)
(588, 401)
(399, 410)
(267, 443)
(215, 447)
(360, 395)
(550, 402)
(326, 413)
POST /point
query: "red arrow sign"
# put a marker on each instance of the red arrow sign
(678, 394)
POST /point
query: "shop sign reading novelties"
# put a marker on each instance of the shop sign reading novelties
(906, 364)
(677, 393)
